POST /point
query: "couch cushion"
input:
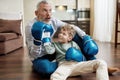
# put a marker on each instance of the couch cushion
(10, 26)
(7, 36)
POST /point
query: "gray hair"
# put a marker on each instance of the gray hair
(42, 2)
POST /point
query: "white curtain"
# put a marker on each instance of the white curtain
(104, 19)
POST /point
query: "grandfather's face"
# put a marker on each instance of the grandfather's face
(44, 12)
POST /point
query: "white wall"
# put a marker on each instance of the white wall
(11, 6)
(29, 8)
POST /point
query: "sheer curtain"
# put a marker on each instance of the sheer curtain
(104, 19)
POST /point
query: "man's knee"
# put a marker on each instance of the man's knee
(44, 66)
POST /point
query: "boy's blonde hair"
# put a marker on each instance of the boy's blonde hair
(69, 29)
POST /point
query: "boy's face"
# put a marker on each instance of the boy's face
(64, 36)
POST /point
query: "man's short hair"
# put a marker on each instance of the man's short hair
(42, 2)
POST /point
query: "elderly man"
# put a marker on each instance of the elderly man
(39, 33)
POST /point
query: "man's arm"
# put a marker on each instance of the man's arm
(58, 23)
(79, 31)
(88, 44)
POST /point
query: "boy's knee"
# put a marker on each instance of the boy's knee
(56, 76)
(101, 62)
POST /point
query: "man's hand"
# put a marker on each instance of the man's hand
(89, 46)
(41, 33)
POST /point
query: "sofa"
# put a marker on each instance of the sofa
(10, 35)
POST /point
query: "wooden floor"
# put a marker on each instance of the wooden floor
(17, 66)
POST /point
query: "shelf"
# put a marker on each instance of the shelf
(116, 24)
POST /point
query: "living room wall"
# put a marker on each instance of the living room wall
(11, 6)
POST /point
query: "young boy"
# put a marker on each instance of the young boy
(72, 67)
(72, 33)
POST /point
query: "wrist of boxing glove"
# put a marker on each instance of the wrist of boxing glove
(86, 39)
(37, 42)
(89, 46)
(46, 41)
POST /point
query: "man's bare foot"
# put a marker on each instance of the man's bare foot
(112, 70)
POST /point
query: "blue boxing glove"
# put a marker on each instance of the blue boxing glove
(41, 33)
(89, 46)
(44, 66)
(74, 54)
